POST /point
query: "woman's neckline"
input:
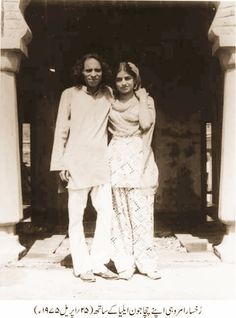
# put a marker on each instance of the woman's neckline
(125, 105)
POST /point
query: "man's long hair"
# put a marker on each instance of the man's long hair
(78, 77)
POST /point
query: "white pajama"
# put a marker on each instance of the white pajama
(82, 259)
(132, 231)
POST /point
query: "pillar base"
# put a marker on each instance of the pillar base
(226, 249)
(11, 249)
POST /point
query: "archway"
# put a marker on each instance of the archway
(176, 65)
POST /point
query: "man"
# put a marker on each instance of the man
(80, 154)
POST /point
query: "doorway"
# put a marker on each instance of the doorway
(168, 41)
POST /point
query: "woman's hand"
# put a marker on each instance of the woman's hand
(142, 95)
(64, 175)
(145, 115)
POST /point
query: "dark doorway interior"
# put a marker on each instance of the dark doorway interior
(168, 41)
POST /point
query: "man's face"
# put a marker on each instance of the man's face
(92, 73)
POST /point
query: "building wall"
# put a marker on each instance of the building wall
(178, 151)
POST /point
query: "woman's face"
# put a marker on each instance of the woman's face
(124, 83)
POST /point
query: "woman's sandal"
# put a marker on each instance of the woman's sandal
(154, 275)
(126, 275)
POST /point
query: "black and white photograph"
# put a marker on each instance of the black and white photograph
(118, 159)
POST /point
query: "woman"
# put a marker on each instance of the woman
(134, 175)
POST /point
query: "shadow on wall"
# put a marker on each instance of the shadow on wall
(177, 193)
(185, 194)
(178, 152)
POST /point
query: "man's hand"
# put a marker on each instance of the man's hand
(64, 175)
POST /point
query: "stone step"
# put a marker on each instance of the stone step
(47, 245)
(44, 250)
(55, 251)
(193, 243)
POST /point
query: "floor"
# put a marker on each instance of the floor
(192, 276)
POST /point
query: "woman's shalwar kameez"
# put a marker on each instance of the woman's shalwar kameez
(134, 179)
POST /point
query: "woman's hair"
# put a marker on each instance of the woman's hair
(77, 75)
(132, 70)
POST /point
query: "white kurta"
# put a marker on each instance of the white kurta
(80, 142)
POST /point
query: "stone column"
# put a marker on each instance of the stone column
(223, 35)
(15, 35)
